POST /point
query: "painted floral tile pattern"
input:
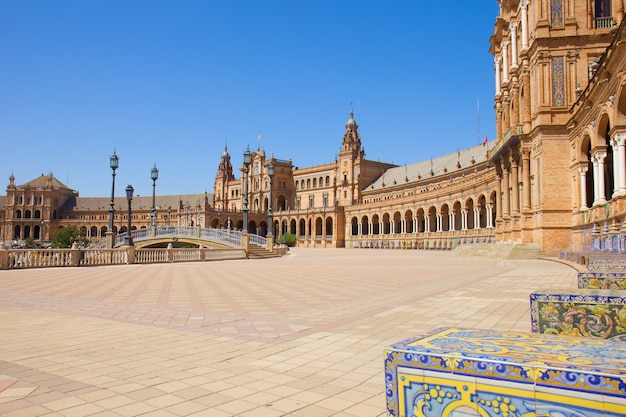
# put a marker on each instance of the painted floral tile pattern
(472, 372)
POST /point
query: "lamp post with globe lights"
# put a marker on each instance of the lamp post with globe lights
(129, 197)
(114, 164)
(247, 160)
(154, 175)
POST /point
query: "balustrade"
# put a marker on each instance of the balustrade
(45, 258)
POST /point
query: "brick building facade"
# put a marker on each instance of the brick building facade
(555, 175)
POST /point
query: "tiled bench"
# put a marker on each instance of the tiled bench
(609, 264)
(602, 280)
(593, 313)
(469, 372)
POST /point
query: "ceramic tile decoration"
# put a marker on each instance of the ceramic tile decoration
(602, 280)
(607, 264)
(579, 312)
(458, 372)
(558, 81)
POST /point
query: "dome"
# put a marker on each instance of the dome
(351, 121)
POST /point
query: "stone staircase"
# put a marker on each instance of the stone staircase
(257, 252)
(500, 250)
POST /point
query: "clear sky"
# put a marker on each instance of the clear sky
(172, 82)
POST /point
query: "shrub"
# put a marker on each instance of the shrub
(287, 239)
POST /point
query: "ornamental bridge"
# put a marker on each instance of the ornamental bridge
(206, 239)
(188, 235)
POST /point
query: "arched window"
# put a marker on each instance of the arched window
(329, 227)
(365, 230)
(408, 218)
(301, 228)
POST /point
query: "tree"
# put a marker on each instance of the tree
(66, 236)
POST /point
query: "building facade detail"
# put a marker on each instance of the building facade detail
(554, 174)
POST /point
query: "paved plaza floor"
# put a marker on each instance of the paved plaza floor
(301, 335)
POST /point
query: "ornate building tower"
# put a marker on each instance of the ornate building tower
(222, 180)
(350, 159)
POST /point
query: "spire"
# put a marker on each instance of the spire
(351, 139)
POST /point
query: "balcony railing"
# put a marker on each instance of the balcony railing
(604, 22)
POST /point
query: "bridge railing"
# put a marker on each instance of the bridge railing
(227, 237)
(46, 258)
(258, 240)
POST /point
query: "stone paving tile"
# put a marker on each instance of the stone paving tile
(301, 335)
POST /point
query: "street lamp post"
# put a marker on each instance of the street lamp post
(270, 219)
(247, 159)
(113, 163)
(169, 214)
(154, 174)
(129, 197)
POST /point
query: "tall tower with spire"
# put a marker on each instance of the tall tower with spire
(349, 162)
(222, 179)
(351, 139)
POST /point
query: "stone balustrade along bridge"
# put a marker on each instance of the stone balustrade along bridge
(207, 237)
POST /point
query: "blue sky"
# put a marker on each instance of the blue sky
(172, 82)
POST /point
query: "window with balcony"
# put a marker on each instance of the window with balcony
(603, 17)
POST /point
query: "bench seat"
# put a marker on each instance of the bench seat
(471, 372)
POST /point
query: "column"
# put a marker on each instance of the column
(526, 179)
(505, 61)
(515, 98)
(524, 19)
(490, 215)
(513, 28)
(583, 188)
(616, 168)
(451, 220)
(498, 191)
(476, 217)
(498, 120)
(426, 223)
(514, 184)
(620, 174)
(598, 184)
(506, 112)
(438, 223)
(464, 219)
(496, 62)
(506, 189)
(527, 95)
(596, 193)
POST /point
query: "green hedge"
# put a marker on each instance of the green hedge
(288, 239)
